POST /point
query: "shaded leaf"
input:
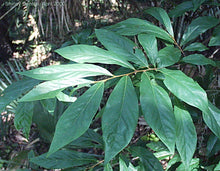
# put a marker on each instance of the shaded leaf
(120, 117)
(198, 59)
(215, 39)
(147, 158)
(77, 118)
(198, 26)
(76, 71)
(161, 15)
(51, 89)
(134, 26)
(185, 88)
(120, 45)
(196, 47)
(181, 9)
(213, 145)
(23, 117)
(211, 117)
(157, 110)
(186, 133)
(15, 90)
(196, 4)
(92, 54)
(168, 56)
(149, 43)
(63, 159)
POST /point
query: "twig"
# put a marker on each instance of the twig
(9, 10)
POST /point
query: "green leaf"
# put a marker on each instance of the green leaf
(23, 117)
(194, 165)
(215, 39)
(185, 88)
(213, 145)
(198, 26)
(196, 4)
(108, 167)
(63, 159)
(217, 167)
(134, 26)
(196, 47)
(65, 98)
(198, 59)
(157, 110)
(51, 89)
(147, 158)
(122, 165)
(15, 90)
(181, 9)
(92, 54)
(76, 71)
(168, 56)
(212, 119)
(149, 43)
(120, 45)
(161, 15)
(49, 105)
(120, 117)
(77, 117)
(186, 133)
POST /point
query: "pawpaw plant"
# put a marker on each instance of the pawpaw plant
(149, 82)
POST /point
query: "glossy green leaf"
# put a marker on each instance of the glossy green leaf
(194, 165)
(186, 133)
(149, 43)
(217, 167)
(120, 117)
(196, 4)
(161, 15)
(121, 46)
(23, 117)
(196, 47)
(181, 9)
(77, 117)
(63, 159)
(185, 88)
(92, 54)
(158, 111)
(198, 26)
(168, 56)
(65, 98)
(134, 26)
(147, 158)
(215, 39)
(51, 89)
(15, 90)
(122, 165)
(198, 59)
(108, 167)
(76, 71)
(211, 117)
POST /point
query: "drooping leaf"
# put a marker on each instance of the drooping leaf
(63, 159)
(161, 15)
(92, 54)
(168, 56)
(121, 46)
(186, 133)
(147, 158)
(76, 71)
(185, 88)
(15, 90)
(198, 59)
(198, 26)
(157, 110)
(149, 43)
(23, 117)
(77, 117)
(211, 117)
(215, 39)
(196, 47)
(120, 117)
(181, 9)
(134, 26)
(51, 89)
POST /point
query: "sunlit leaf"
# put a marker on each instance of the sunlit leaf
(120, 117)
(77, 118)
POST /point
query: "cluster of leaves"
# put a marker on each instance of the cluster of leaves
(148, 83)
